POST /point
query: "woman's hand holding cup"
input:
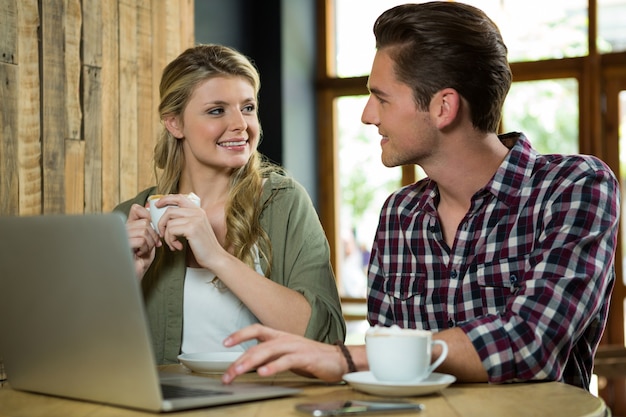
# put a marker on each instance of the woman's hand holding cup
(157, 210)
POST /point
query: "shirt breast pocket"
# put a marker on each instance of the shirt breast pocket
(499, 281)
(406, 295)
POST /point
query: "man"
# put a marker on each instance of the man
(506, 254)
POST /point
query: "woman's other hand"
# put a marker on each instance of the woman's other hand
(142, 237)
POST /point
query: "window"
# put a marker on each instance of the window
(546, 111)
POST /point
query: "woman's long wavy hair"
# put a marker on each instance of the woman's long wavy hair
(244, 205)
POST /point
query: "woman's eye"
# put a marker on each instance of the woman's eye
(216, 111)
(249, 108)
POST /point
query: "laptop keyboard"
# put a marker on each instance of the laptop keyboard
(173, 391)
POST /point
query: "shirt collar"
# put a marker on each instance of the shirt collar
(507, 182)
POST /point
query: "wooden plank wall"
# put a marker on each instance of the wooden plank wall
(78, 99)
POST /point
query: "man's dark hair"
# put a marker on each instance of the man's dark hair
(442, 44)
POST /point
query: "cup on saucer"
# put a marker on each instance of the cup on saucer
(401, 355)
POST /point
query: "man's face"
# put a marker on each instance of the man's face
(408, 133)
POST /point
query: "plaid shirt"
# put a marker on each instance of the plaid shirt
(530, 273)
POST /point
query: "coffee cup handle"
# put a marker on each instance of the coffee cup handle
(441, 358)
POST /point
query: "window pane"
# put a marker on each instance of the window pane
(534, 30)
(611, 26)
(365, 183)
(559, 31)
(546, 112)
(355, 43)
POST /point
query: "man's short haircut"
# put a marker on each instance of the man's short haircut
(442, 44)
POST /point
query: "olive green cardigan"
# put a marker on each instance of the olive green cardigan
(300, 261)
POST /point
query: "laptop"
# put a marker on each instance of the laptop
(73, 324)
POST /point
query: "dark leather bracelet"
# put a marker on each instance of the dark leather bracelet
(346, 354)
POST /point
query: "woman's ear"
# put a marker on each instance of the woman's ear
(446, 107)
(174, 126)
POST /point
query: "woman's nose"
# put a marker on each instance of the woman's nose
(238, 121)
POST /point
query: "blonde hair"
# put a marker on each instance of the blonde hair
(243, 208)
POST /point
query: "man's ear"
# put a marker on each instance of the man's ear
(174, 126)
(445, 107)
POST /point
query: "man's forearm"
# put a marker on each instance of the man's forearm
(462, 360)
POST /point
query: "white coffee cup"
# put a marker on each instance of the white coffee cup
(157, 212)
(401, 355)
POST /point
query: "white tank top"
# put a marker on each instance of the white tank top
(211, 313)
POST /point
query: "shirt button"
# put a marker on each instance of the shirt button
(453, 273)
(432, 229)
(450, 323)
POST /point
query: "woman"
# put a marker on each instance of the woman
(205, 271)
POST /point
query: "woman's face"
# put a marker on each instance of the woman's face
(220, 125)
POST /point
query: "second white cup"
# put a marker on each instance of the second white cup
(401, 355)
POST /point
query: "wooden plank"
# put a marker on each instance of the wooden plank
(8, 31)
(93, 31)
(173, 44)
(29, 109)
(8, 139)
(110, 124)
(147, 110)
(160, 58)
(9, 114)
(74, 176)
(92, 100)
(92, 104)
(187, 24)
(53, 102)
(128, 100)
(72, 24)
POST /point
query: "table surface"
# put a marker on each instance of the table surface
(458, 400)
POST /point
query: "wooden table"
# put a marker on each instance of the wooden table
(458, 400)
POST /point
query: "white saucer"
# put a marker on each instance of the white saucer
(365, 381)
(208, 362)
